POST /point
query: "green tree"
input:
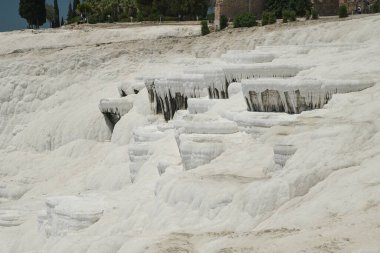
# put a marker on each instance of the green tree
(62, 22)
(245, 20)
(56, 15)
(50, 14)
(204, 28)
(75, 6)
(268, 18)
(113, 10)
(302, 7)
(278, 6)
(375, 7)
(85, 8)
(223, 22)
(70, 12)
(33, 11)
(314, 14)
(288, 15)
(343, 11)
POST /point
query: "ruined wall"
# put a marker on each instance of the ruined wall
(232, 8)
(326, 7)
(353, 5)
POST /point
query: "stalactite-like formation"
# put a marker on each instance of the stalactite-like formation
(295, 95)
(130, 87)
(282, 153)
(238, 72)
(214, 81)
(170, 94)
(114, 109)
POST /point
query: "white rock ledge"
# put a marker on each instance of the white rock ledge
(10, 218)
(197, 150)
(282, 153)
(247, 57)
(65, 214)
(205, 124)
(238, 72)
(256, 122)
(199, 105)
(170, 94)
(295, 95)
(214, 80)
(138, 153)
(130, 87)
(12, 191)
(114, 109)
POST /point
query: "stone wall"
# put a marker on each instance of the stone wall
(352, 5)
(232, 8)
(326, 7)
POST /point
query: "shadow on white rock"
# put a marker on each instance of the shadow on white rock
(10, 218)
(65, 214)
(114, 109)
(198, 149)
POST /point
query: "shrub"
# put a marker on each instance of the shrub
(140, 17)
(223, 22)
(343, 11)
(211, 17)
(288, 15)
(314, 14)
(73, 20)
(307, 15)
(92, 20)
(268, 18)
(375, 8)
(171, 19)
(204, 27)
(245, 20)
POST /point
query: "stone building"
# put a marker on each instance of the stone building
(232, 8)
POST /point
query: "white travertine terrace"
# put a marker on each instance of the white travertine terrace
(321, 192)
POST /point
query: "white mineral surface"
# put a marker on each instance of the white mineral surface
(206, 181)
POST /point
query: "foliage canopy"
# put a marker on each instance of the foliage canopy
(33, 11)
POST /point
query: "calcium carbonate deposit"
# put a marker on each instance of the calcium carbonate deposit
(155, 139)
